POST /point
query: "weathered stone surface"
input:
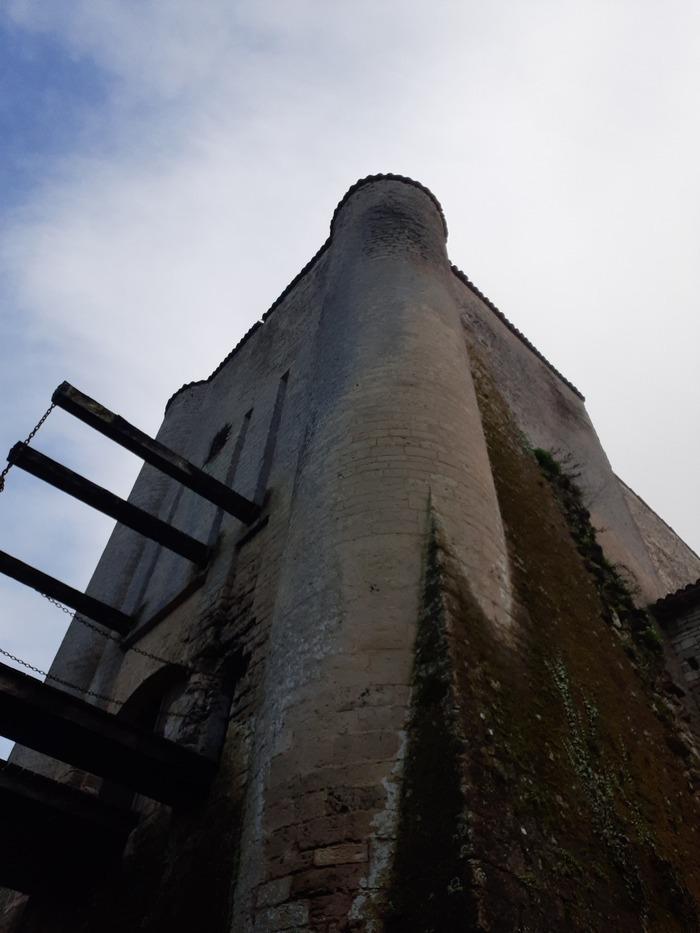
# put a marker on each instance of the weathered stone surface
(369, 707)
(287, 917)
(274, 892)
(340, 855)
(676, 564)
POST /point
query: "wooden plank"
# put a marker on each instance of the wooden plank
(43, 467)
(50, 586)
(158, 455)
(62, 726)
(19, 783)
(51, 831)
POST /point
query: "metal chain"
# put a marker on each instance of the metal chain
(80, 619)
(27, 440)
(59, 680)
(115, 638)
(94, 628)
(110, 637)
(72, 686)
(157, 657)
(76, 616)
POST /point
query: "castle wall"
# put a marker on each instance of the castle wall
(553, 416)
(393, 428)
(354, 422)
(142, 578)
(683, 632)
(676, 564)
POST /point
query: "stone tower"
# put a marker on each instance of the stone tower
(417, 683)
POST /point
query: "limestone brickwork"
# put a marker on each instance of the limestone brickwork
(679, 615)
(676, 564)
(382, 412)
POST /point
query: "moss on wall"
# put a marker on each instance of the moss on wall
(563, 794)
(428, 890)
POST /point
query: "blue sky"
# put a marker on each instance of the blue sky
(167, 168)
(48, 97)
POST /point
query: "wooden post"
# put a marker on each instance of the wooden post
(62, 726)
(158, 455)
(43, 467)
(53, 833)
(50, 586)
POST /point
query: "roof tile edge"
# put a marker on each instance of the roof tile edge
(677, 600)
(361, 183)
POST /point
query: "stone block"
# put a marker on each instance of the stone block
(285, 917)
(320, 880)
(341, 854)
(273, 892)
(366, 746)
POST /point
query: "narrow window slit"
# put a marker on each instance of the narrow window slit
(271, 443)
(218, 442)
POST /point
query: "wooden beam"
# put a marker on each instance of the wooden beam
(51, 831)
(62, 726)
(43, 467)
(50, 586)
(158, 455)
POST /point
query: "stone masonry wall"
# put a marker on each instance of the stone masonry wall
(676, 563)
(553, 417)
(683, 630)
(353, 420)
(392, 425)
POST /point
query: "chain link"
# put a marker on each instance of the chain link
(75, 687)
(160, 660)
(79, 618)
(59, 680)
(115, 638)
(99, 631)
(146, 654)
(29, 438)
(111, 637)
